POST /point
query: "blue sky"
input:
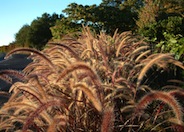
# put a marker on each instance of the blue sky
(16, 13)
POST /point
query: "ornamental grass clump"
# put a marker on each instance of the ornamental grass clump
(94, 83)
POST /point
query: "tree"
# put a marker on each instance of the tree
(108, 16)
(163, 23)
(22, 36)
(81, 14)
(38, 33)
(147, 14)
(63, 27)
(154, 11)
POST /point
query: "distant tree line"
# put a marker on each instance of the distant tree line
(38, 33)
(160, 21)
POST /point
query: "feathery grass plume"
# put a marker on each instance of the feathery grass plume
(176, 81)
(94, 99)
(58, 52)
(39, 70)
(104, 56)
(19, 75)
(162, 96)
(177, 63)
(74, 44)
(88, 42)
(127, 108)
(121, 44)
(15, 96)
(85, 52)
(29, 90)
(4, 94)
(125, 84)
(171, 87)
(31, 67)
(6, 126)
(179, 93)
(60, 58)
(118, 38)
(81, 66)
(67, 48)
(41, 89)
(115, 34)
(37, 85)
(86, 87)
(6, 78)
(30, 119)
(144, 54)
(57, 121)
(86, 31)
(175, 126)
(159, 58)
(44, 57)
(19, 104)
(138, 51)
(17, 109)
(108, 120)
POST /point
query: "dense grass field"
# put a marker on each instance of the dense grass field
(94, 83)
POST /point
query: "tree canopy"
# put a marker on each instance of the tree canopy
(160, 21)
(108, 16)
(38, 33)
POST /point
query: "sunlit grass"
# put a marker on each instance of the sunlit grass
(94, 83)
